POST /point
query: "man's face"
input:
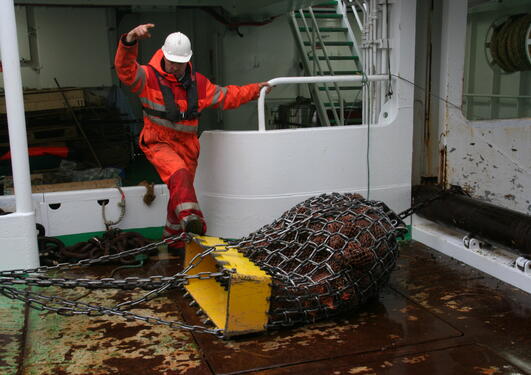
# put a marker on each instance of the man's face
(174, 67)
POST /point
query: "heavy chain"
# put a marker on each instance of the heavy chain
(72, 308)
(22, 276)
(157, 285)
(419, 206)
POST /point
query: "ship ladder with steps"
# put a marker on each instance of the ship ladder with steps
(329, 45)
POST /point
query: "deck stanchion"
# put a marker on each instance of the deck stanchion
(18, 227)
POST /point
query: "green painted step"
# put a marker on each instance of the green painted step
(326, 3)
(336, 58)
(341, 88)
(325, 29)
(331, 43)
(324, 10)
(321, 15)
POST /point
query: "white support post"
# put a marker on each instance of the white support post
(17, 230)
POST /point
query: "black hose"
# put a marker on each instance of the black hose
(481, 219)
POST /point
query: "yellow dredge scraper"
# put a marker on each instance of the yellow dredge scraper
(241, 306)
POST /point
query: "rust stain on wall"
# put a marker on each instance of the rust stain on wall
(443, 175)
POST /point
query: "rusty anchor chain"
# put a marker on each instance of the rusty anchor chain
(53, 251)
(420, 205)
(156, 284)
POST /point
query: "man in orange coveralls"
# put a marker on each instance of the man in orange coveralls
(172, 96)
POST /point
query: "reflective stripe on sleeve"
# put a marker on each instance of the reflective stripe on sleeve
(220, 93)
(140, 77)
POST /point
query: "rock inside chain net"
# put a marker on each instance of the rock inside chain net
(327, 255)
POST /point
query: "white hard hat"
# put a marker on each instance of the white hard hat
(177, 48)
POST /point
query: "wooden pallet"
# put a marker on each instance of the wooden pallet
(41, 100)
(45, 134)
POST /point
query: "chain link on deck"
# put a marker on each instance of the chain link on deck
(157, 284)
(66, 307)
(420, 205)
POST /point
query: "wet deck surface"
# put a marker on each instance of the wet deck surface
(437, 316)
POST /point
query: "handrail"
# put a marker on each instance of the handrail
(311, 79)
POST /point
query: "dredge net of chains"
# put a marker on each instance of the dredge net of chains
(326, 255)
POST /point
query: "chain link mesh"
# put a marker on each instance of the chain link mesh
(326, 255)
(156, 284)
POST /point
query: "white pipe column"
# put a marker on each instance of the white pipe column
(373, 18)
(18, 229)
(365, 66)
(384, 69)
(15, 107)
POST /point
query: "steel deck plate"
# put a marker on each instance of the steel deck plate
(459, 360)
(392, 321)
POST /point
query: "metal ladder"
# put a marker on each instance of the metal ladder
(328, 46)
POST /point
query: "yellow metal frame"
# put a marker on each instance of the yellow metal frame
(241, 308)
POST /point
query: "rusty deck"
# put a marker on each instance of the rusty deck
(437, 316)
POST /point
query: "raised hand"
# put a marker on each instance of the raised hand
(139, 32)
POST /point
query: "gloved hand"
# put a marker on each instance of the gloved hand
(139, 32)
(265, 84)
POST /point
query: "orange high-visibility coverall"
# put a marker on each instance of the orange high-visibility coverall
(173, 146)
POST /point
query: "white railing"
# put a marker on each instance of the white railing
(315, 79)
